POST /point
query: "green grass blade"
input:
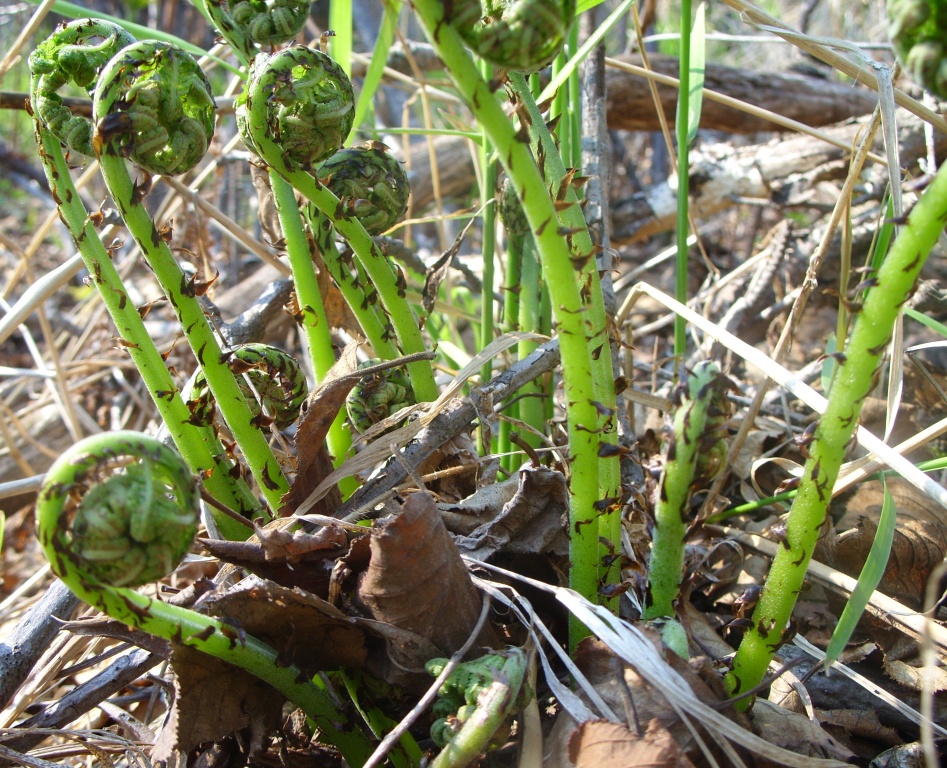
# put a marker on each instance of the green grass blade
(340, 22)
(696, 74)
(386, 36)
(868, 579)
(924, 320)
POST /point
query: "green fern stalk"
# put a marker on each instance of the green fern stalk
(891, 287)
(564, 271)
(136, 90)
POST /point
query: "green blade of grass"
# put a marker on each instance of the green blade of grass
(696, 74)
(386, 36)
(868, 579)
(340, 22)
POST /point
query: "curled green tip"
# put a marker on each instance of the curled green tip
(247, 24)
(918, 30)
(371, 183)
(378, 395)
(75, 53)
(275, 380)
(302, 100)
(517, 35)
(154, 105)
(118, 508)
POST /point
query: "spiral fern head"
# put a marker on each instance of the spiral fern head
(303, 101)
(518, 35)
(377, 396)
(918, 30)
(275, 379)
(371, 183)
(74, 53)
(121, 508)
(247, 24)
(154, 104)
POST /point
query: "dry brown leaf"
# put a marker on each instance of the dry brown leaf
(798, 733)
(314, 462)
(417, 581)
(917, 548)
(289, 559)
(600, 743)
(303, 628)
(530, 522)
(212, 701)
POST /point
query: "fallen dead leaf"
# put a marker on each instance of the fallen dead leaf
(530, 522)
(600, 743)
(417, 581)
(795, 732)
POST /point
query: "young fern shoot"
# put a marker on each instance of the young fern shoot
(892, 286)
(154, 105)
(696, 453)
(75, 52)
(119, 510)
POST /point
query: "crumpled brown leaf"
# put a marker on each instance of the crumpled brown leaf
(615, 681)
(796, 732)
(919, 544)
(291, 559)
(530, 522)
(214, 699)
(314, 463)
(601, 743)
(417, 581)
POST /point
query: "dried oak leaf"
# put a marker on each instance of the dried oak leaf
(314, 463)
(598, 743)
(304, 629)
(530, 522)
(796, 732)
(212, 701)
(291, 559)
(417, 581)
(615, 681)
(918, 546)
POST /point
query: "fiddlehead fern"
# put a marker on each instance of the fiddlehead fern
(153, 497)
(247, 24)
(306, 101)
(162, 114)
(75, 53)
(292, 135)
(276, 381)
(50, 66)
(371, 184)
(115, 94)
(125, 508)
(918, 29)
(378, 395)
(519, 35)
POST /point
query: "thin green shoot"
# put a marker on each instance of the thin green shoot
(582, 53)
(683, 178)
(868, 579)
(340, 23)
(373, 75)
